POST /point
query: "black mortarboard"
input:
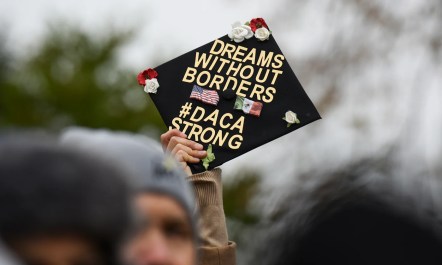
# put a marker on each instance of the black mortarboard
(234, 94)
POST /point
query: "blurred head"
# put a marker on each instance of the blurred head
(364, 214)
(164, 231)
(58, 206)
(6, 257)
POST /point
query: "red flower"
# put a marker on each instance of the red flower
(141, 79)
(146, 74)
(257, 23)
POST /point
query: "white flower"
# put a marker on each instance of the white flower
(151, 86)
(240, 32)
(291, 118)
(262, 34)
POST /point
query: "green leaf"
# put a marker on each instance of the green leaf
(209, 158)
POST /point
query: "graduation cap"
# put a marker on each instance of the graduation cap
(231, 95)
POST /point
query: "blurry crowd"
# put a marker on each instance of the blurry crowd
(96, 197)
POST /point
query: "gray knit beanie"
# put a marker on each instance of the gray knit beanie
(142, 158)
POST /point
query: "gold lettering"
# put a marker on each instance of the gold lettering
(269, 97)
(239, 124)
(216, 44)
(278, 61)
(198, 79)
(223, 62)
(189, 76)
(213, 63)
(276, 72)
(264, 60)
(251, 56)
(235, 144)
(202, 59)
(250, 68)
(175, 123)
(221, 121)
(262, 80)
(220, 139)
(187, 126)
(258, 90)
(230, 79)
(217, 80)
(239, 53)
(229, 49)
(233, 68)
(201, 112)
(204, 139)
(196, 130)
(212, 117)
(242, 87)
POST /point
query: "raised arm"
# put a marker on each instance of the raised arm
(215, 247)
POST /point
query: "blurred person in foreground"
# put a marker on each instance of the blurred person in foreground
(6, 257)
(165, 225)
(371, 212)
(58, 206)
(166, 230)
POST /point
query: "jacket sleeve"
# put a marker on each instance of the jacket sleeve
(215, 247)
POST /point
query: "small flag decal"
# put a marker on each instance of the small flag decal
(206, 96)
(248, 106)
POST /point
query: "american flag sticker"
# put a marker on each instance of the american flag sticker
(206, 96)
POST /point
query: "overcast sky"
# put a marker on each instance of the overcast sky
(168, 27)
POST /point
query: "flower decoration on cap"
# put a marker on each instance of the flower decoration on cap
(260, 28)
(258, 23)
(256, 27)
(291, 118)
(209, 158)
(148, 79)
(240, 32)
(262, 34)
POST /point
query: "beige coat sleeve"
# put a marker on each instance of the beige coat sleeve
(215, 247)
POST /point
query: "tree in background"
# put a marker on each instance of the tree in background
(73, 79)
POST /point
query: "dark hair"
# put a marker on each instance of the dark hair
(48, 189)
(366, 213)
